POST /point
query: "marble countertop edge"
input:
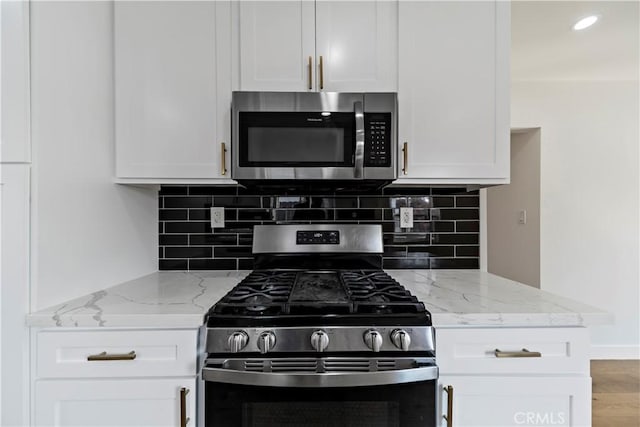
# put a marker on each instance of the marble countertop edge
(455, 298)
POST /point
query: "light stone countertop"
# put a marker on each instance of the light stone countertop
(454, 298)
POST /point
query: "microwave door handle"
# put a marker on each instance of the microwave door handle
(359, 153)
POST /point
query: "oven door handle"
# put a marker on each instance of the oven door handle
(314, 379)
(358, 169)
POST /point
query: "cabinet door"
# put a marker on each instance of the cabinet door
(167, 89)
(358, 42)
(14, 82)
(469, 351)
(454, 91)
(14, 293)
(494, 401)
(276, 43)
(114, 403)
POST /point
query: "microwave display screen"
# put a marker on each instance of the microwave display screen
(293, 145)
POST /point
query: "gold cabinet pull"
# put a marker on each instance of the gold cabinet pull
(405, 155)
(223, 156)
(523, 353)
(184, 420)
(106, 356)
(321, 73)
(449, 417)
(310, 70)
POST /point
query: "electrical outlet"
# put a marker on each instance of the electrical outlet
(406, 217)
(217, 217)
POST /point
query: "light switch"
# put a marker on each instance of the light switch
(522, 217)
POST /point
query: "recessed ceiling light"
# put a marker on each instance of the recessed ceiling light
(585, 22)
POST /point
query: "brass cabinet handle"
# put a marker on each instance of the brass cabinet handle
(223, 155)
(321, 73)
(310, 68)
(184, 420)
(105, 356)
(405, 152)
(449, 417)
(523, 353)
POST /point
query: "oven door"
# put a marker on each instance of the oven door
(293, 136)
(386, 398)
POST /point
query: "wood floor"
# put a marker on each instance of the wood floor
(616, 393)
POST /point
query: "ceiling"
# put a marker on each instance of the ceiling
(544, 46)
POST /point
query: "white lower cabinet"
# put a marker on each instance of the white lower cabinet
(117, 402)
(15, 209)
(494, 401)
(512, 376)
(117, 377)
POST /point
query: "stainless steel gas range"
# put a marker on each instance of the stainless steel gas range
(319, 335)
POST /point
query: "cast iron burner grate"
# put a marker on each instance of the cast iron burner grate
(327, 292)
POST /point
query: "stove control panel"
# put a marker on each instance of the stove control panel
(318, 237)
(305, 339)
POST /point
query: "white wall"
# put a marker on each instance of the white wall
(589, 198)
(513, 248)
(88, 233)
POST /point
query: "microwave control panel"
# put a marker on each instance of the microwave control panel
(377, 139)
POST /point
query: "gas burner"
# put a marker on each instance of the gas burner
(377, 298)
(257, 302)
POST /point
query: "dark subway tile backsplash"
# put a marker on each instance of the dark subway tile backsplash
(444, 235)
(187, 202)
(187, 252)
(213, 239)
(213, 264)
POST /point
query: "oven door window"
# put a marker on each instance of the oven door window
(397, 405)
(297, 139)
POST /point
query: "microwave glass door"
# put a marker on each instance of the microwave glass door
(296, 139)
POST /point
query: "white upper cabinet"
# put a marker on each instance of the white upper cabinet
(454, 92)
(276, 45)
(172, 89)
(14, 82)
(317, 46)
(358, 43)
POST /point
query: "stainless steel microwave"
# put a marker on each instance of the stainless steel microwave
(287, 136)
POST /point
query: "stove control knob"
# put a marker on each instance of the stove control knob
(319, 340)
(266, 341)
(373, 340)
(237, 341)
(401, 339)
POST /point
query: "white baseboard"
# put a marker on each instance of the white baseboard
(615, 352)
